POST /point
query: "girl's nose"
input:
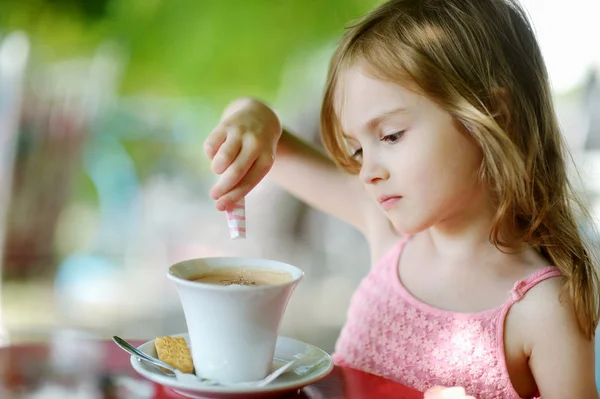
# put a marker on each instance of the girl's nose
(372, 170)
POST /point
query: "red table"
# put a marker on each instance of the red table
(20, 365)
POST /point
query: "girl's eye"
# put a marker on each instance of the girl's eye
(394, 137)
(357, 154)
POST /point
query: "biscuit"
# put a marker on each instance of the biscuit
(174, 352)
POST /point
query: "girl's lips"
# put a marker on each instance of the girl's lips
(389, 202)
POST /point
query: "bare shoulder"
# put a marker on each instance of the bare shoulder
(561, 357)
(544, 304)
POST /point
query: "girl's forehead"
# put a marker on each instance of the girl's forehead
(360, 99)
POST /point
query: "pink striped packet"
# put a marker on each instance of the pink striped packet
(236, 220)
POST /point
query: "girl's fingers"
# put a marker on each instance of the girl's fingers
(259, 169)
(227, 152)
(214, 141)
(238, 169)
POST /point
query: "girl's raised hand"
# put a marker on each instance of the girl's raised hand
(242, 149)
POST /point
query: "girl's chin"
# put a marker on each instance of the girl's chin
(403, 226)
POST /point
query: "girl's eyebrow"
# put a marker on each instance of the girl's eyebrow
(375, 121)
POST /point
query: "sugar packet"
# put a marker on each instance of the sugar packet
(236, 220)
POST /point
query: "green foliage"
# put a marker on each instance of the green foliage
(186, 48)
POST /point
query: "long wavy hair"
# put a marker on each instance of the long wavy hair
(479, 60)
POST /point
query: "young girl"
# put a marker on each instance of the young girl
(441, 112)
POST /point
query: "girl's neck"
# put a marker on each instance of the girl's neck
(465, 235)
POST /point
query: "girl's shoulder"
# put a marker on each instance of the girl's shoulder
(541, 292)
(548, 329)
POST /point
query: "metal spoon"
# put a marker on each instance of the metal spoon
(132, 350)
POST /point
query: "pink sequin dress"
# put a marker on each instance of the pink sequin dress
(389, 332)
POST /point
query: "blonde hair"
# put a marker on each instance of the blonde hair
(479, 60)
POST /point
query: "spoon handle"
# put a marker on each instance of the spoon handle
(141, 355)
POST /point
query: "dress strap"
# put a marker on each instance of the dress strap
(521, 287)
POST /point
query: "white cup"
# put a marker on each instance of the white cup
(233, 329)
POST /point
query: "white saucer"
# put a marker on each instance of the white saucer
(285, 350)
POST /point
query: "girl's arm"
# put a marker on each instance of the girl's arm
(312, 177)
(242, 149)
(562, 358)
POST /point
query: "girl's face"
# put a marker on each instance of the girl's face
(417, 164)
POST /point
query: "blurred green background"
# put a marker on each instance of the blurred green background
(186, 48)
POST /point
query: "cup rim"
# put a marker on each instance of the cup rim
(194, 284)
